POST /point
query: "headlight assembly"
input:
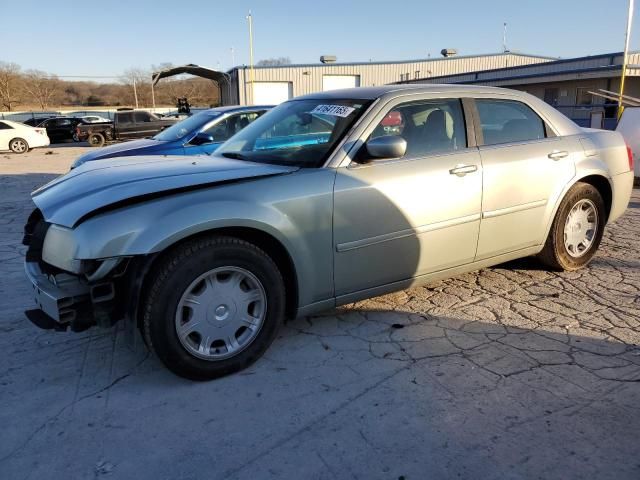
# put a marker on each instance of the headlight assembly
(59, 249)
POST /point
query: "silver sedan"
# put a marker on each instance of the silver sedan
(325, 200)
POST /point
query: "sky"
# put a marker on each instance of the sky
(77, 37)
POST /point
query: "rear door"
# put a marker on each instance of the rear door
(525, 168)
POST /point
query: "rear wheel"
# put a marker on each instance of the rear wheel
(18, 145)
(577, 229)
(214, 306)
(96, 140)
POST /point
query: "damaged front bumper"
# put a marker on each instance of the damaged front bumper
(62, 301)
(68, 301)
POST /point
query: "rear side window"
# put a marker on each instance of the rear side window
(125, 117)
(4, 126)
(508, 121)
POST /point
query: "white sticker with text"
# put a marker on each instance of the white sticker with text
(335, 110)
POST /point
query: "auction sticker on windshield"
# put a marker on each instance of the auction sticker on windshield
(335, 110)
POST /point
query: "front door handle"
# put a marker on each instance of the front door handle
(462, 170)
(557, 155)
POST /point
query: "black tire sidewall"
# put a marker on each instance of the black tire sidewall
(175, 277)
(578, 192)
(100, 138)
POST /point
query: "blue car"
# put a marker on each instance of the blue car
(199, 134)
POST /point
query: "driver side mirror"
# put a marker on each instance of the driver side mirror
(202, 138)
(388, 146)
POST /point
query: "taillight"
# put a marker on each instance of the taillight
(630, 155)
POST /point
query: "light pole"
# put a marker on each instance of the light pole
(625, 58)
(250, 19)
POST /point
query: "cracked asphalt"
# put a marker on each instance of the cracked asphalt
(510, 372)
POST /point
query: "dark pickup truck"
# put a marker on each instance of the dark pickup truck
(126, 125)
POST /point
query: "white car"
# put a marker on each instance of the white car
(94, 119)
(20, 138)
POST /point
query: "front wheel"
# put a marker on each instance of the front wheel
(214, 306)
(18, 145)
(577, 229)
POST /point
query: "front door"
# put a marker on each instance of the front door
(525, 169)
(400, 218)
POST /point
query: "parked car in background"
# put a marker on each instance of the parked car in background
(61, 129)
(629, 127)
(20, 138)
(199, 134)
(35, 121)
(95, 119)
(126, 125)
(325, 200)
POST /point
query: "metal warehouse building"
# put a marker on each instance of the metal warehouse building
(275, 84)
(565, 84)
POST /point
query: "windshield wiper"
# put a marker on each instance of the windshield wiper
(234, 155)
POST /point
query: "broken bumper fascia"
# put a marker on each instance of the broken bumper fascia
(65, 301)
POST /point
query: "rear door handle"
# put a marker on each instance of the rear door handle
(557, 155)
(462, 170)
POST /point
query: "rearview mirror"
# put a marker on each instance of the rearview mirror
(389, 146)
(202, 138)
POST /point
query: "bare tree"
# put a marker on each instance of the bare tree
(274, 62)
(10, 85)
(139, 82)
(41, 87)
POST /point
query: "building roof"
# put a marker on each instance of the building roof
(391, 62)
(607, 65)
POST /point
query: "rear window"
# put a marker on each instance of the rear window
(508, 121)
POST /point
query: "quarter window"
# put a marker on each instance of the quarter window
(4, 126)
(431, 127)
(508, 121)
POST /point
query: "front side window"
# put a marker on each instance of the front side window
(142, 117)
(183, 128)
(298, 132)
(508, 121)
(431, 127)
(230, 126)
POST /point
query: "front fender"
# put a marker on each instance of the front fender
(297, 213)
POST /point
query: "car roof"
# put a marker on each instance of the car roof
(237, 108)
(371, 93)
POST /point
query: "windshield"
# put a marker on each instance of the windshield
(299, 132)
(186, 126)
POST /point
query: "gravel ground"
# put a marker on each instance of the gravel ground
(509, 372)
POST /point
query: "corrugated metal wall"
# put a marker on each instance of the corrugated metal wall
(308, 78)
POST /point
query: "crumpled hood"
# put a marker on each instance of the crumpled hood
(94, 185)
(118, 150)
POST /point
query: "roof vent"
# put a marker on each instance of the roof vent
(448, 52)
(328, 59)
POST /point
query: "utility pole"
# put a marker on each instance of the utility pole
(153, 94)
(504, 38)
(251, 78)
(625, 58)
(135, 92)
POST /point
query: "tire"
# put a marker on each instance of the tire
(18, 145)
(581, 206)
(75, 138)
(96, 140)
(195, 293)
